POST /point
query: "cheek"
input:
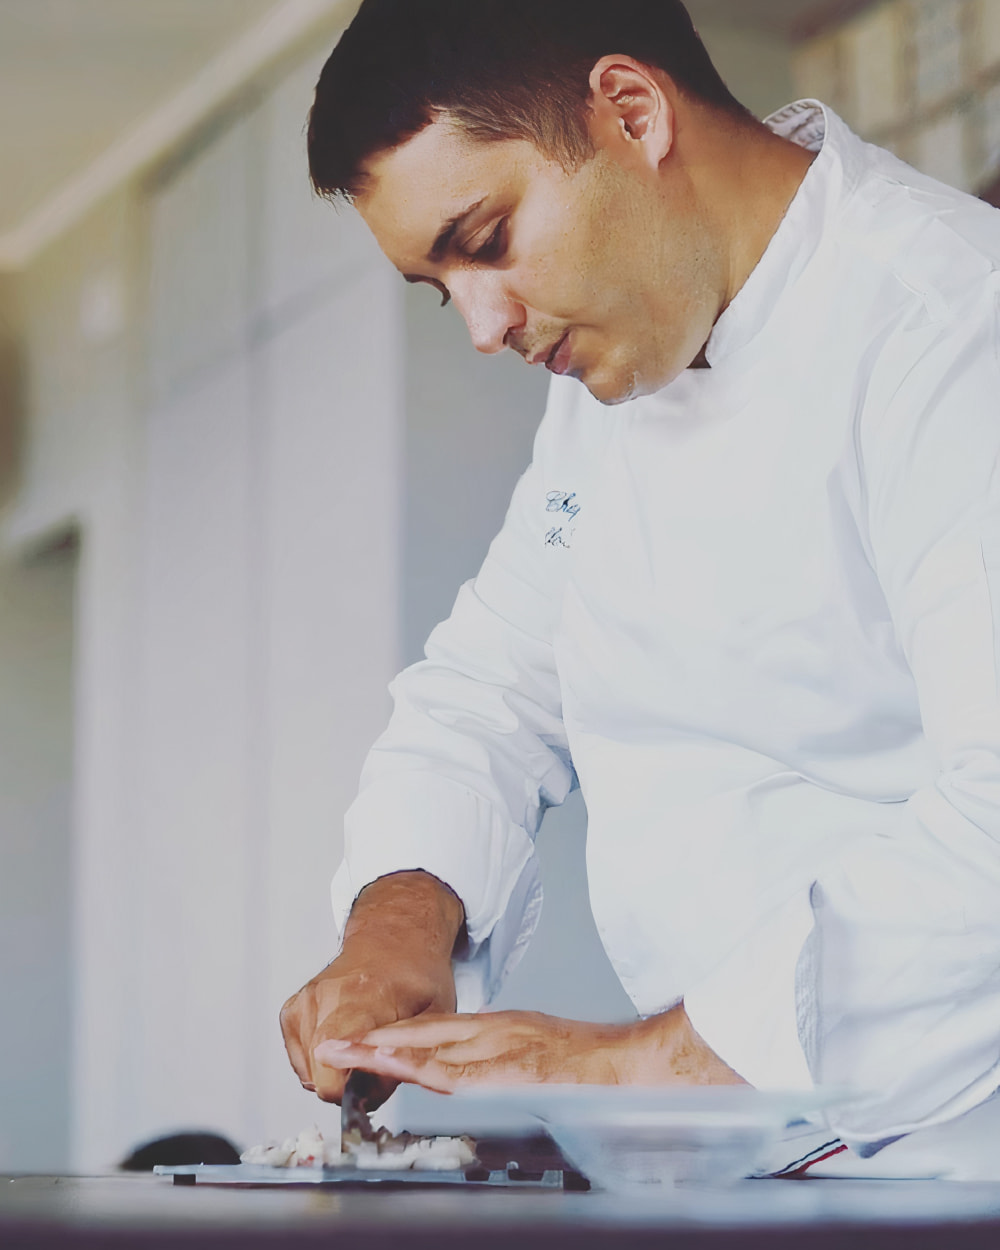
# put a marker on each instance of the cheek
(553, 283)
(596, 283)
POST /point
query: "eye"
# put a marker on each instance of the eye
(495, 245)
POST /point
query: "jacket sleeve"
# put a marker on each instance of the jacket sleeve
(474, 753)
(904, 959)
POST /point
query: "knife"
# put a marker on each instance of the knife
(358, 1092)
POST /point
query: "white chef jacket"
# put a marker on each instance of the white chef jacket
(757, 616)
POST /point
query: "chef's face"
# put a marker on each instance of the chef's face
(598, 271)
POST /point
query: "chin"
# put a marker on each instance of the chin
(613, 391)
(626, 383)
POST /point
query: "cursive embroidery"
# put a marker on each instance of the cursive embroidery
(562, 501)
(557, 537)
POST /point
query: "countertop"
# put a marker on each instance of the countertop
(142, 1211)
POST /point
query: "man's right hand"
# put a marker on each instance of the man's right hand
(395, 964)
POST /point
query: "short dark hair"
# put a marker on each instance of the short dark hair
(503, 69)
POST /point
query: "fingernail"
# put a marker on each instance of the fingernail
(385, 1050)
(332, 1044)
(310, 1088)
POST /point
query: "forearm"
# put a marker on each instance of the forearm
(665, 1050)
(410, 911)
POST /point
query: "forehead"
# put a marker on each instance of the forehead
(412, 190)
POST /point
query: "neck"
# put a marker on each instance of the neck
(744, 178)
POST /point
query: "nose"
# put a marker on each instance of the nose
(488, 308)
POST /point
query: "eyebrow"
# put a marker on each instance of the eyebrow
(446, 234)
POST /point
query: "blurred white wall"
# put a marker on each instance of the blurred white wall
(77, 472)
(282, 464)
(920, 77)
(756, 65)
(36, 857)
(269, 597)
(214, 384)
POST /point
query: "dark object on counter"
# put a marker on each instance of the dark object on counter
(530, 1156)
(181, 1148)
(525, 1159)
(358, 1093)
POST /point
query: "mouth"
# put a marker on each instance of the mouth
(559, 358)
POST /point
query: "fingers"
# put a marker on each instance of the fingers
(313, 1016)
(336, 1030)
(300, 1062)
(441, 1071)
(467, 1039)
(481, 1049)
(427, 1031)
(339, 1055)
(357, 992)
(291, 1030)
(442, 1052)
(491, 1057)
(413, 1067)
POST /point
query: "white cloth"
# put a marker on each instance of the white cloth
(966, 1148)
(756, 615)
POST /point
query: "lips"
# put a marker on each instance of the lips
(561, 356)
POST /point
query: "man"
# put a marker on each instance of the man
(744, 594)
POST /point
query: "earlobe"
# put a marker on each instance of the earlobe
(629, 103)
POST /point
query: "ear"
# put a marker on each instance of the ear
(631, 111)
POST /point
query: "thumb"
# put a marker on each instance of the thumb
(334, 1035)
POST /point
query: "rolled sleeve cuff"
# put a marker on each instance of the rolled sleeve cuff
(423, 822)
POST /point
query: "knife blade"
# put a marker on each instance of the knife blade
(358, 1092)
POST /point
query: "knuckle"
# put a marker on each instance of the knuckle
(290, 1019)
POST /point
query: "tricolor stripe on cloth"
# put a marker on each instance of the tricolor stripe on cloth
(799, 1167)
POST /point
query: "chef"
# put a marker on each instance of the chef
(747, 595)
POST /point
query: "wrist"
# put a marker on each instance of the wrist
(599, 1054)
(407, 925)
(666, 1050)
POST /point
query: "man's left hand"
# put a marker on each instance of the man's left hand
(451, 1052)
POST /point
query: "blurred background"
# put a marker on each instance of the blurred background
(243, 471)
